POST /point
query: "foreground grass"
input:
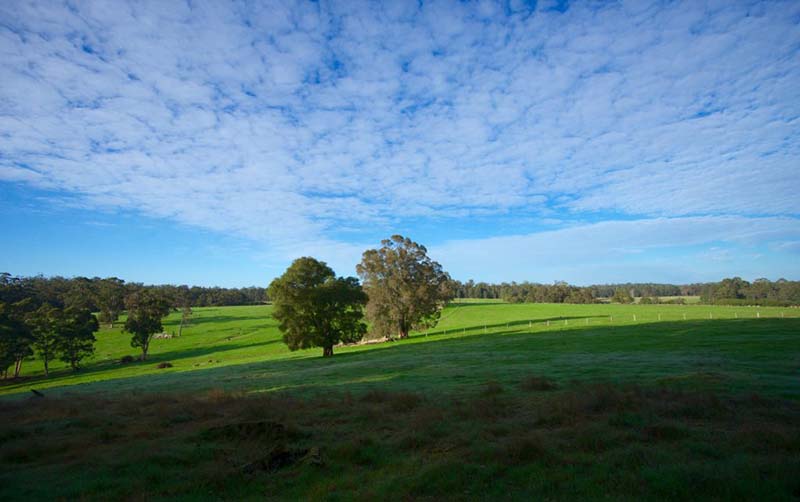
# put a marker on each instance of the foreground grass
(530, 440)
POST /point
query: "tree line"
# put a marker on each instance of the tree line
(96, 293)
(737, 291)
(732, 291)
(562, 292)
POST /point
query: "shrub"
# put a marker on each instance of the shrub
(163, 365)
(126, 359)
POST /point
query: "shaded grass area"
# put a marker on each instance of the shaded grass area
(729, 356)
(534, 438)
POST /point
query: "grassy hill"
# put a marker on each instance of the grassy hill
(239, 348)
(499, 401)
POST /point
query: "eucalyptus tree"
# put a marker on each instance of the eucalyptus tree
(45, 324)
(406, 288)
(110, 299)
(145, 311)
(15, 338)
(75, 341)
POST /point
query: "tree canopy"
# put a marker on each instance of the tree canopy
(406, 288)
(622, 295)
(45, 323)
(145, 311)
(315, 308)
(76, 335)
(15, 337)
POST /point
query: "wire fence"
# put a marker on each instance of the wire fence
(612, 319)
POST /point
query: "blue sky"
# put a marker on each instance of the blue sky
(213, 142)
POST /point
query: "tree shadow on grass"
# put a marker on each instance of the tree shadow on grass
(488, 303)
(484, 328)
(758, 353)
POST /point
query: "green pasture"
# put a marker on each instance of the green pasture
(499, 401)
(734, 349)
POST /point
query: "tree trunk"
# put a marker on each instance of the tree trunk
(46, 368)
(17, 367)
(327, 351)
(180, 328)
(402, 329)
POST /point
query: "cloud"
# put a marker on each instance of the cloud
(294, 124)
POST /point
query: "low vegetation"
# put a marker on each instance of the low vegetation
(522, 440)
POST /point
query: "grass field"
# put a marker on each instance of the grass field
(514, 400)
(239, 348)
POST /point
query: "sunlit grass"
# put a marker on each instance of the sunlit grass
(240, 348)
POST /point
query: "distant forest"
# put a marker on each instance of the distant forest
(95, 292)
(732, 291)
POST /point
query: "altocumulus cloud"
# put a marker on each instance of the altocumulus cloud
(316, 126)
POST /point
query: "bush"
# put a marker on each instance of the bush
(163, 365)
(127, 359)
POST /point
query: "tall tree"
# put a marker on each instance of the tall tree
(315, 308)
(76, 329)
(110, 299)
(81, 294)
(15, 338)
(45, 323)
(183, 302)
(406, 288)
(145, 311)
